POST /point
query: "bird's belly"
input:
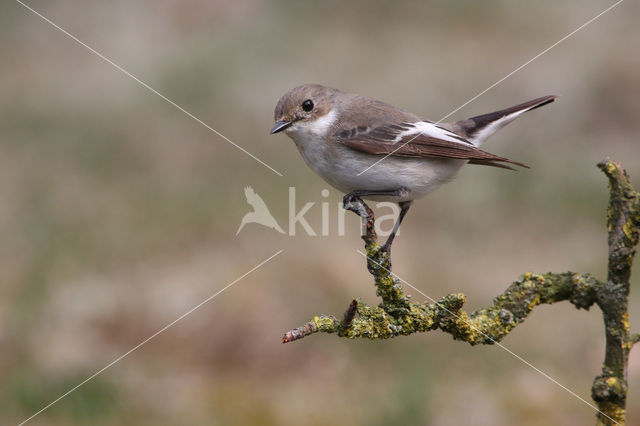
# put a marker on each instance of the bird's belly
(344, 169)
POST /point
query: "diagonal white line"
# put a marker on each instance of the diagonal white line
(500, 81)
(152, 336)
(146, 86)
(518, 357)
(531, 60)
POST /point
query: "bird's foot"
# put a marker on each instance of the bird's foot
(354, 203)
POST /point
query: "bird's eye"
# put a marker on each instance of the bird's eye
(307, 105)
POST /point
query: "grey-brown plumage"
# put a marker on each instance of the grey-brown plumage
(382, 141)
(395, 138)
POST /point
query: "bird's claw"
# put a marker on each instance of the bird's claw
(353, 203)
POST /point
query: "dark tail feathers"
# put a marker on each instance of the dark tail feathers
(472, 126)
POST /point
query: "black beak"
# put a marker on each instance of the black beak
(280, 126)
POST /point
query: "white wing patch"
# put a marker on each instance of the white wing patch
(431, 130)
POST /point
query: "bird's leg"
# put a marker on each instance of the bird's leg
(354, 203)
(348, 199)
(404, 208)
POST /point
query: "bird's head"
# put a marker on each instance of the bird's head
(304, 106)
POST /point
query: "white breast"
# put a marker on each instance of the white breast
(317, 128)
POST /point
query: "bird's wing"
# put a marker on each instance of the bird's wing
(417, 139)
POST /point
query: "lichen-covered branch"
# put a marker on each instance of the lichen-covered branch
(397, 315)
(486, 326)
(609, 389)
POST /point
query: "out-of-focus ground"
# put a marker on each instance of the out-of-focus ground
(118, 212)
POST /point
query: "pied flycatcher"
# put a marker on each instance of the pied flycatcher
(370, 149)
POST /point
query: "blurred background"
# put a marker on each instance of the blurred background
(118, 212)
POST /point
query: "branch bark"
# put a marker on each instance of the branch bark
(609, 389)
(397, 315)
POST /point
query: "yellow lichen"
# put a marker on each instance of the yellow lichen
(625, 321)
(534, 302)
(372, 249)
(323, 323)
(628, 229)
(612, 412)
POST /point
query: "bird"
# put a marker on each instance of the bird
(260, 213)
(372, 150)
